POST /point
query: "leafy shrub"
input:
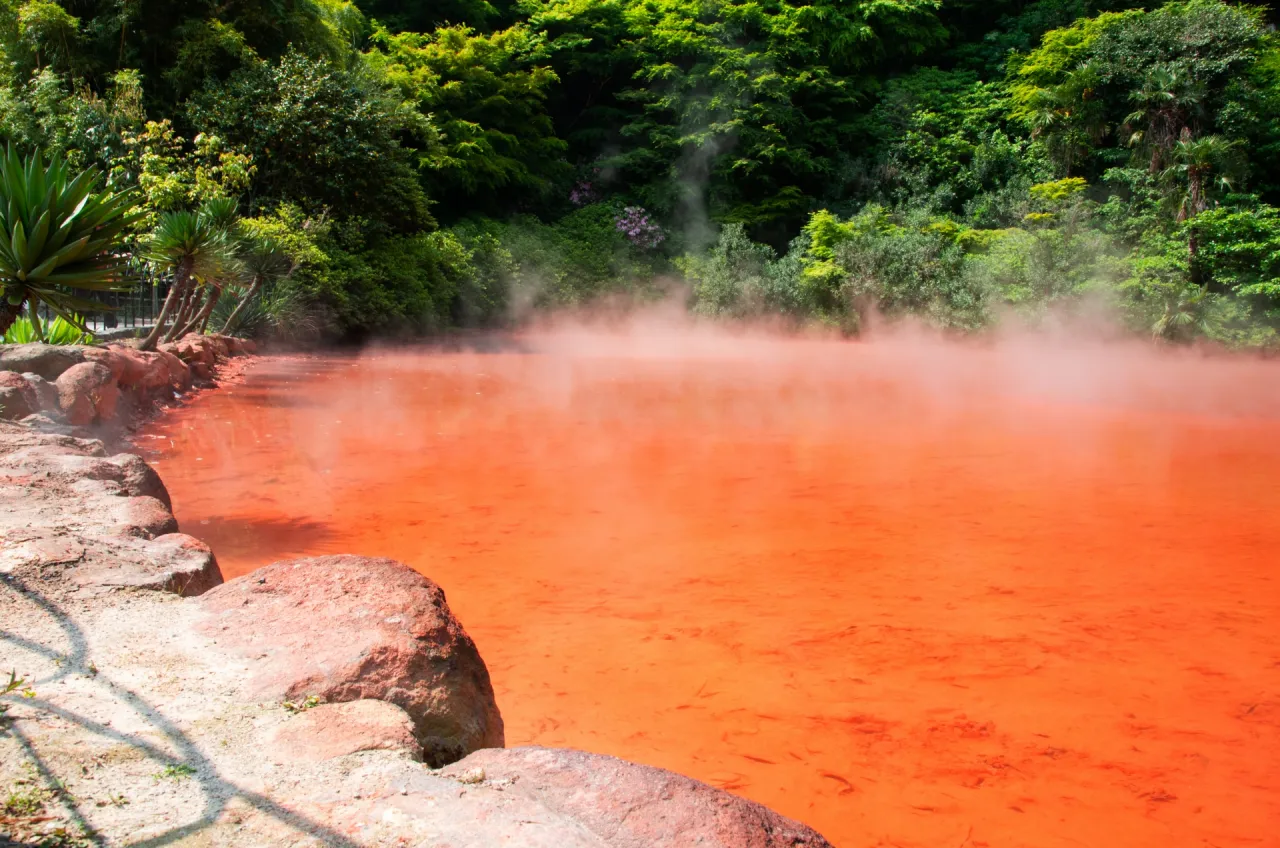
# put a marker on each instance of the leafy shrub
(280, 312)
(59, 331)
(740, 278)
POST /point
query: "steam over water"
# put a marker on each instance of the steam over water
(908, 592)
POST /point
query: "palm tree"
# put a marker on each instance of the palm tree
(1168, 106)
(57, 232)
(233, 271)
(265, 259)
(1068, 117)
(1196, 163)
(1183, 315)
(221, 215)
(193, 247)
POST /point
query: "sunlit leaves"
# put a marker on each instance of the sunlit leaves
(59, 232)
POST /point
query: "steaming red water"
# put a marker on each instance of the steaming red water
(910, 594)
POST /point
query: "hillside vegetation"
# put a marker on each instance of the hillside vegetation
(419, 165)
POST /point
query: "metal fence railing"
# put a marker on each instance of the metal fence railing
(123, 312)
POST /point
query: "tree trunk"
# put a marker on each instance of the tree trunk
(202, 317)
(1193, 241)
(8, 314)
(208, 313)
(244, 301)
(176, 291)
(184, 311)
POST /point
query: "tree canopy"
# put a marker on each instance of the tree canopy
(438, 156)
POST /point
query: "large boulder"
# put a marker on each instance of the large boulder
(144, 371)
(18, 398)
(125, 474)
(44, 423)
(195, 351)
(548, 798)
(86, 393)
(241, 347)
(49, 361)
(174, 562)
(80, 521)
(193, 348)
(220, 346)
(347, 628)
(13, 404)
(626, 805)
(179, 373)
(71, 485)
(112, 360)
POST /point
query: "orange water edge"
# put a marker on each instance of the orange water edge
(912, 595)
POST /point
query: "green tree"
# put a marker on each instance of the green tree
(735, 110)
(485, 94)
(265, 261)
(323, 137)
(1143, 75)
(192, 247)
(228, 269)
(49, 32)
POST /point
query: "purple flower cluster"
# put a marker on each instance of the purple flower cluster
(583, 193)
(634, 223)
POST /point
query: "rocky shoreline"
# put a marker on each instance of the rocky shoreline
(323, 701)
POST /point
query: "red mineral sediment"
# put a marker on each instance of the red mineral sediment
(907, 593)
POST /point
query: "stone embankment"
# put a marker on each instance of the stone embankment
(324, 701)
(69, 386)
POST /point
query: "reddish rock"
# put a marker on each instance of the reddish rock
(627, 805)
(179, 373)
(143, 370)
(347, 628)
(193, 348)
(335, 730)
(142, 517)
(86, 393)
(40, 550)
(241, 347)
(112, 360)
(136, 478)
(221, 348)
(18, 398)
(174, 562)
(13, 380)
(126, 474)
(46, 392)
(13, 405)
(49, 361)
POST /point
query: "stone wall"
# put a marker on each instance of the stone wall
(79, 386)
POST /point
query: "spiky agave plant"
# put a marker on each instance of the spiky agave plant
(191, 246)
(265, 260)
(58, 233)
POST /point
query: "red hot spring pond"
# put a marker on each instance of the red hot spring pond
(911, 593)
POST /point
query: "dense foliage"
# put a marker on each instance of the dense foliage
(400, 166)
